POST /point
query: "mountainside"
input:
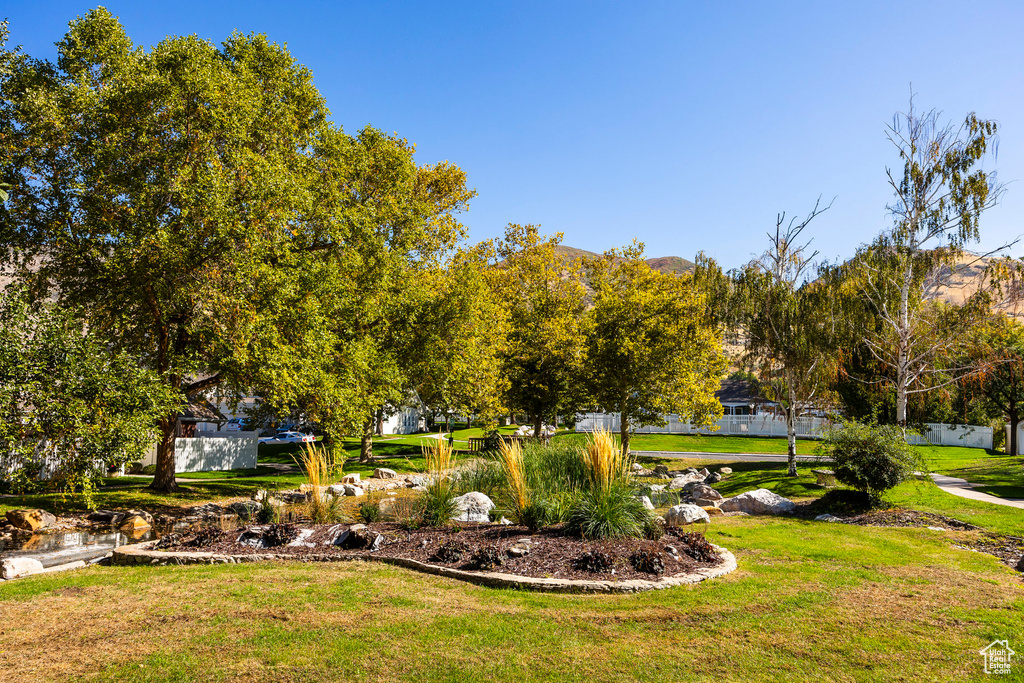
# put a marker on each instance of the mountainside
(663, 264)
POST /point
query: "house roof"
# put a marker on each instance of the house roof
(201, 410)
(737, 391)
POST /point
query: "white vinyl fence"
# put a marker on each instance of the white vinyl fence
(775, 425)
(216, 451)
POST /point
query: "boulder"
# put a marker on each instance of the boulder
(827, 518)
(473, 507)
(661, 469)
(350, 478)
(359, 537)
(14, 567)
(336, 490)
(244, 508)
(713, 478)
(685, 514)
(134, 522)
(351, 490)
(724, 470)
(712, 511)
(648, 505)
(416, 480)
(683, 479)
(105, 517)
(705, 492)
(637, 467)
(759, 502)
(384, 473)
(704, 472)
(31, 520)
(1020, 565)
(518, 550)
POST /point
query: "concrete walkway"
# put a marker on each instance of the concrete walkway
(951, 485)
(965, 489)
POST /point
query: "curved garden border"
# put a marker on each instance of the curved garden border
(142, 554)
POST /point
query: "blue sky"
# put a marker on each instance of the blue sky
(685, 125)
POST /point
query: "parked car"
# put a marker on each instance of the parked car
(237, 424)
(288, 437)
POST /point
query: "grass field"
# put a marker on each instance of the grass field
(809, 602)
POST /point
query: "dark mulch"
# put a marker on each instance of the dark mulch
(1009, 549)
(907, 518)
(551, 553)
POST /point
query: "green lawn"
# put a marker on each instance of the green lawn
(810, 602)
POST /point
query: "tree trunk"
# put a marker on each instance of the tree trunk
(537, 423)
(380, 422)
(163, 480)
(1014, 421)
(624, 433)
(791, 432)
(366, 441)
(903, 360)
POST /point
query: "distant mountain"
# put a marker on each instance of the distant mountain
(662, 264)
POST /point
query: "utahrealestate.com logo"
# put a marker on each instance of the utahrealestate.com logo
(997, 657)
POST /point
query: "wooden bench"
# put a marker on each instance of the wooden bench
(826, 478)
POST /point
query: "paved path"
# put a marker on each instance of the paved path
(951, 485)
(742, 457)
(964, 489)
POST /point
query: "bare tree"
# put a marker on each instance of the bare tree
(786, 316)
(938, 200)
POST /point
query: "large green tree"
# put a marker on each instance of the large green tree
(70, 406)
(545, 299)
(159, 192)
(651, 349)
(997, 351)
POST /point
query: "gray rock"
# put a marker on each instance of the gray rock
(416, 480)
(350, 478)
(661, 469)
(759, 502)
(683, 479)
(245, 509)
(105, 517)
(705, 492)
(336, 490)
(14, 567)
(648, 505)
(300, 540)
(473, 507)
(351, 490)
(713, 478)
(637, 467)
(385, 473)
(827, 518)
(725, 470)
(704, 472)
(685, 514)
(421, 489)
(518, 550)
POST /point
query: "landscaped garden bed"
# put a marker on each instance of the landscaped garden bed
(507, 549)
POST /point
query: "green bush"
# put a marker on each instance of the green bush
(611, 512)
(438, 504)
(869, 457)
(149, 469)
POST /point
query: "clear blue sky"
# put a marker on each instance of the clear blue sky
(686, 125)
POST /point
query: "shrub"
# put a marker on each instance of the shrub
(149, 469)
(594, 561)
(320, 465)
(696, 546)
(523, 508)
(842, 502)
(611, 512)
(438, 505)
(450, 552)
(267, 513)
(487, 557)
(480, 475)
(648, 560)
(369, 511)
(607, 507)
(554, 470)
(869, 457)
(492, 440)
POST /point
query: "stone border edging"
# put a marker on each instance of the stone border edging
(141, 554)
